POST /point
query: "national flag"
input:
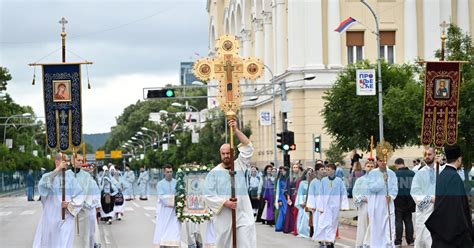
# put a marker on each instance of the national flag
(345, 24)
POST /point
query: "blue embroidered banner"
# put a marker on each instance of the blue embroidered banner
(62, 104)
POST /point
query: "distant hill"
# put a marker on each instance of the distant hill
(96, 139)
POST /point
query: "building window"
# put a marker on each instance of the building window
(355, 46)
(387, 46)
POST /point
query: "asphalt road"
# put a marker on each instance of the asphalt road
(19, 218)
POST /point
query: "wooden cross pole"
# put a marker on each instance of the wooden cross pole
(228, 68)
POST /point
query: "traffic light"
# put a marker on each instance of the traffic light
(286, 141)
(161, 93)
(317, 144)
(280, 141)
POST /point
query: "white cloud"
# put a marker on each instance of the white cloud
(101, 104)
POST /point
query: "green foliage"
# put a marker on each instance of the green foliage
(4, 78)
(352, 119)
(334, 154)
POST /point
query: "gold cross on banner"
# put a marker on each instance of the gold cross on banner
(228, 68)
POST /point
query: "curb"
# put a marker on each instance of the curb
(14, 193)
(348, 221)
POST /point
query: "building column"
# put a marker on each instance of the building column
(411, 33)
(296, 34)
(463, 15)
(258, 43)
(280, 36)
(246, 42)
(445, 12)
(268, 37)
(334, 42)
(432, 31)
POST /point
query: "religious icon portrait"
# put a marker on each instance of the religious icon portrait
(441, 88)
(62, 90)
(195, 203)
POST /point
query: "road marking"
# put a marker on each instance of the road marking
(5, 213)
(128, 209)
(106, 236)
(136, 205)
(342, 245)
(28, 212)
(150, 208)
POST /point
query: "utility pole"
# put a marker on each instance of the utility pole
(284, 124)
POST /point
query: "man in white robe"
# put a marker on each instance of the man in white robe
(218, 194)
(130, 178)
(332, 199)
(377, 205)
(360, 194)
(142, 183)
(85, 234)
(313, 194)
(423, 193)
(168, 228)
(52, 231)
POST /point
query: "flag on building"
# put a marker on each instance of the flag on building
(345, 24)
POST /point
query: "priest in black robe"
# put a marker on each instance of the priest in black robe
(450, 223)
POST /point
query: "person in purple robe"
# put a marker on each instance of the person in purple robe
(293, 180)
(269, 194)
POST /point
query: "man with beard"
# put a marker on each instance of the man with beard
(423, 193)
(218, 193)
(450, 224)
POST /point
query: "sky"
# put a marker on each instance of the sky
(134, 44)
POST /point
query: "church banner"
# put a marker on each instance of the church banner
(440, 112)
(62, 104)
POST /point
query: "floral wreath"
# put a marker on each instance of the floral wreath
(180, 198)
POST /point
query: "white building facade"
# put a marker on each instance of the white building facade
(296, 38)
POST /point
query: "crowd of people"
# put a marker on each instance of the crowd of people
(297, 201)
(90, 197)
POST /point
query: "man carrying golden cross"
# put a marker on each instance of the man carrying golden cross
(226, 189)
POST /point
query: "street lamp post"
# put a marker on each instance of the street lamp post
(147, 135)
(187, 107)
(275, 155)
(24, 115)
(379, 90)
(144, 144)
(153, 131)
(284, 121)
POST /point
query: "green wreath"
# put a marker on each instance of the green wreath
(180, 197)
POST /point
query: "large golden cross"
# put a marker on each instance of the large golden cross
(228, 68)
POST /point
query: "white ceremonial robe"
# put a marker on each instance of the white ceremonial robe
(311, 203)
(377, 208)
(107, 185)
(332, 199)
(302, 223)
(142, 183)
(90, 189)
(130, 178)
(168, 228)
(52, 231)
(218, 190)
(422, 191)
(360, 194)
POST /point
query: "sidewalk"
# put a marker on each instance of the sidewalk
(16, 192)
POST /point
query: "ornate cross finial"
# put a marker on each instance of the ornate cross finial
(228, 68)
(444, 25)
(63, 22)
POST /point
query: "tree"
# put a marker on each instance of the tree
(334, 154)
(4, 78)
(352, 119)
